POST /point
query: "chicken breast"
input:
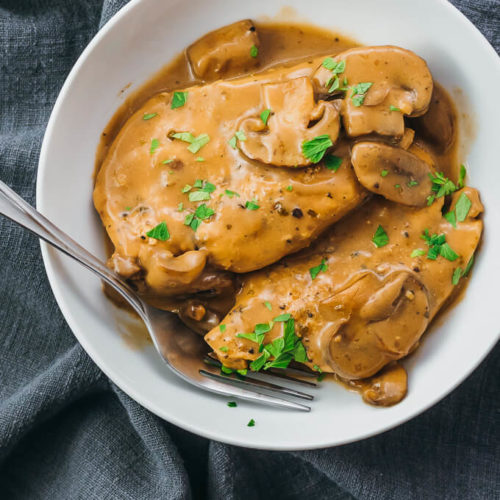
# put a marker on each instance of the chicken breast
(364, 294)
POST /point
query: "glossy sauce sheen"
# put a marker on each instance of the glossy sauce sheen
(370, 306)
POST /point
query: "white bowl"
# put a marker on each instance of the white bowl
(140, 39)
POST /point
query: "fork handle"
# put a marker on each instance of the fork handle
(19, 211)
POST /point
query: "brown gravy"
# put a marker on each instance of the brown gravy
(297, 50)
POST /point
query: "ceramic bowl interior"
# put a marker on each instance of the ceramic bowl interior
(135, 44)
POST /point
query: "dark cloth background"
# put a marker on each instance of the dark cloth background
(66, 432)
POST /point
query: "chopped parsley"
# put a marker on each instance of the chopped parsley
(148, 116)
(205, 188)
(254, 51)
(315, 149)
(195, 143)
(359, 93)
(322, 267)
(251, 423)
(461, 211)
(204, 212)
(154, 145)
(458, 273)
(282, 317)
(165, 162)
(224, 348)
(397, 186)
(335, 67)
(282, 349)
(252, 205)
(380, 237)
(412, 183)
(160, 232)
(232, 404)
(438, 246)
(222, 328)
(384, 173)
(441, 185)
(180, 207)
(393, 108)
(461, 178)
(193, 220)
(239, 135)
(268, 305)
(231, 194)
(332, 162)
(451, 218)
(462, 207)
(200, 158)
(264, 116)
(179, 99)
(289, 188)
(199, 195)
(418, 252)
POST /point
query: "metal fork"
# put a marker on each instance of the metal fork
(184, 351)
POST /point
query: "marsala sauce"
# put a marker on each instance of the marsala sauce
(280, 45)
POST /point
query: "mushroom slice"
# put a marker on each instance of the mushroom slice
(225, 52)
(295, 118)
(392, 172)
(384, 83)
(437, 125)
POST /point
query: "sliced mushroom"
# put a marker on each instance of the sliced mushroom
(295, 118)
(392, 172)
(225, 52)
(361, 343)
(401, 84)
(386, 388)
(437, 125)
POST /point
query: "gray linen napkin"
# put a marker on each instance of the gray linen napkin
(66, 432)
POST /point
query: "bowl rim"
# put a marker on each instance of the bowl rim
(101, 362)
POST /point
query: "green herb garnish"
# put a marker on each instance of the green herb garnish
(154, 145)
(251, 423)
(224, 348)
(412, 183)
(462, 207)
(332, 162)
(316, 148)
(384, 173)
(418, 252)
(195, 143)
(322, 267)
(254, 51)
(282, 317)
(252, 205)
(222, 328)
(393, 108)
(199, 196)
(165, 162)
(180, 207)
(204, 212)
(438, 246)
(160, 232)
(231, 194)
(232, 404)
(359, 93)
(289, 188)
(264, 116)
(179, 99)
(380, 237)
(461, 178)
(148, 116)
(441, 185)
(268, 305)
